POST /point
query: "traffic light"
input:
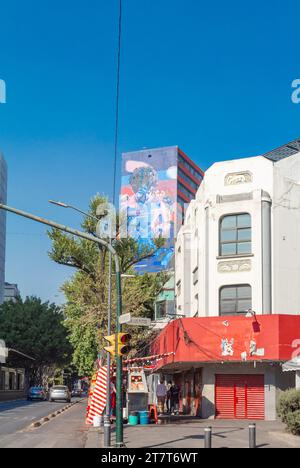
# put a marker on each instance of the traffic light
(123, 343)
(112, 341)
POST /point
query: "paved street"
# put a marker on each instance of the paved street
(226, 434)
(66, 430)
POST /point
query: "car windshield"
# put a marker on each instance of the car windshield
(36, 388)
(59, 388)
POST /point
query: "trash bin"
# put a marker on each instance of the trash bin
(144, 418)
(133, 418)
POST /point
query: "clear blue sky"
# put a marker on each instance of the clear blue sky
(213, 77)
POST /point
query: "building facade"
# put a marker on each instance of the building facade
(237, 283)
(3, 199)
(11, 292)
(156, 186)
(12, 383)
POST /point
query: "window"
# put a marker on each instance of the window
(188, 180)
(190, 195)
(12, 380)
(178, 288)
(235, 235)
(190, 168)
(2, 380)
(235, 300)
(161, 309)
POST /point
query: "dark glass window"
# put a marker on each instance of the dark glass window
(235, 300)
(190, 168)
(188, 180)
(235, 235)
(185, 191)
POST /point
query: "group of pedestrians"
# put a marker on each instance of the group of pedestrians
(168, 397)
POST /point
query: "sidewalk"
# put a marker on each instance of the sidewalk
(190, 434)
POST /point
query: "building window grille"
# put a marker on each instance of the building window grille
(235, 235)
(235, 300)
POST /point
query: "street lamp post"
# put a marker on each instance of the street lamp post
(71, 207)
(109, 247)
(107, 423)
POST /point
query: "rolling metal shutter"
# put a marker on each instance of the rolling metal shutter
(240, 397)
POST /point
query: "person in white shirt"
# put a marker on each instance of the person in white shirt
(161, 393)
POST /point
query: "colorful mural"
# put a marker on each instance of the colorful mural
(149, 201)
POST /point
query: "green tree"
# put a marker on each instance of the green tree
(86, 292)
(35, 329)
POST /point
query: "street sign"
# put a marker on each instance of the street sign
(136, 321)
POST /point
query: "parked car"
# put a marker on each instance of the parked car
(76, 392)
(59, 392)
(37, 393)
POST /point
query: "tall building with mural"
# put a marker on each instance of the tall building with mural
(157, 186)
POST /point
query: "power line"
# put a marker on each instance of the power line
(117, 100)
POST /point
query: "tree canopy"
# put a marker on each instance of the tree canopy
(35, 329)
(86, 292)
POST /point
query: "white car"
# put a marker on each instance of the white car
(59, 392)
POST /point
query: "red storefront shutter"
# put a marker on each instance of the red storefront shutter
(256, 397)
(225, 395)
(240, 397)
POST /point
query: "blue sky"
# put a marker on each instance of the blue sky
(212, 77)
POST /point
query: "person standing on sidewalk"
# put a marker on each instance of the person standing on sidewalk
(169, 397)
(161, 393)
(175, 395)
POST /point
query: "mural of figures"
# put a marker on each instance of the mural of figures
(149, 201)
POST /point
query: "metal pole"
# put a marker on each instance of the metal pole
(252, 436)
(107, 425)
(109, 247)
(119, 359)
(208, 437)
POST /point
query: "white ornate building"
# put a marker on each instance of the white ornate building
(237, 286)
(239, 248)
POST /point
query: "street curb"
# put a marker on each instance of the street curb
(45, 419)
(94, 438)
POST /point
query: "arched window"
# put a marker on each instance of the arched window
(235, 300)
(235, 235)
